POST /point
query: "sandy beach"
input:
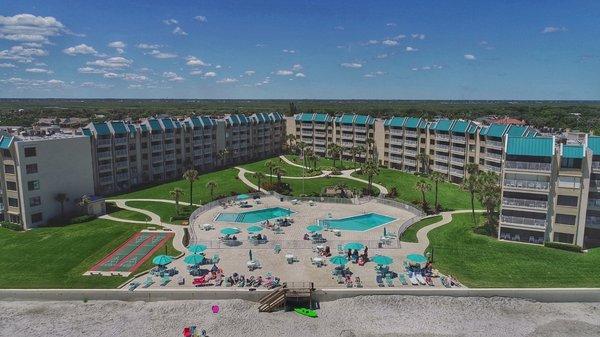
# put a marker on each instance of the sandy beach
(360, 316)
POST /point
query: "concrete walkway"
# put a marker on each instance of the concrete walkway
(242, 176)
(347, 174)
(157, 200)
(284, 158)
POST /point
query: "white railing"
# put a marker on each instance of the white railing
(319, 126)
(523, 221)
(306, 133)
(528, 184)
(410, 143)
(442, 137)
(396, 132)
(410, 133)
(347, 144)
(121, 164)
(169, 167)
(121, 153)
(410, 162)
(396, 159)
(441, 147)
(104, 142)
(596, 165)
(442, 169)
(521, 165)
(457, 172)
(458, 149)
(493, 168)
(320, 134)
(397, 150)
(459, 161)
(156, 148)
(169, 146)
(592, 221)
(396, 141)
(493, 156)
(525, 203)
(493, 143)
(319, 141)
(108, 179)
(458, 139)
(360, 129)
(347, 128)
(410, 152)
(157, 159)
(156, 137)
(441, 157)
(104, 167)
(121, 140)
(360, 137)
(105, 154)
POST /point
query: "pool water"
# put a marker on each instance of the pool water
(254, 216)
(360, 223)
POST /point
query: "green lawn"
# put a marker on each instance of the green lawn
(451, 196)
(316, 185)
(227, 181)
(410, 234)
(482, 261)
(57, 257)
(164, 209)
(125, 214)
(290, 170)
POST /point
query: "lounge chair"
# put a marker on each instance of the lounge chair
(181, 281)
(429, 281)
(340, 279)
(242, 282)
(199, 281)
(420, 278)
(358, 282)
(379, 280)
(340, 250)
(445, 281)
(402, 279)
(388, 280)
(133, 285)
(165, 280)
(277, 249)
(250, 281)
(148, 282)
(348, 282)
(215, 259)
(413, 279)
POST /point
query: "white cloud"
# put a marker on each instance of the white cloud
(209, 74)
(90, 70)
(300, 75)
(169, 22)
(218, 66)
(249, 72)
(28, 84)
(411, 49)
(227, 80)
(339, 28)
(267, 80)
(551, 29)
(284, 72)
(148, 46)
(427, 68)
(375, 74)
(22, 54)
(390, 42)
(95, 85)
(7, 65)
(39, 71)
(372, 42)
(193, 61)
(111, 75)
(354, 65)
(134, 77)
(200, 18)
(418, 36)
(391, 24)
(399, 37)
(179, 31)
(117, 44)
(260, 45)
(30, 28)
(81, 49)
(469, 57)
(289, 51)
(196, 72)
(173, 77)
(382, 56)
(111, 62)
(297, 67)
(160, 55)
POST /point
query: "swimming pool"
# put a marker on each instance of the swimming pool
(254, 216)
(359, 223)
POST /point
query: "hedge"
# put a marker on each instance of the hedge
(563, 246)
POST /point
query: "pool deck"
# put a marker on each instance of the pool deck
(233, 259)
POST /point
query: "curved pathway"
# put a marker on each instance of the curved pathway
(347, 174)
(284, 158)
(242, 176)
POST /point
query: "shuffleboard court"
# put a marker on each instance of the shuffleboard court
(132, 253)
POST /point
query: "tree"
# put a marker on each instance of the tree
(84, 201)
(370, 153)
(437, 178)
(259, 176)
(211, 185)
(489, 194)
(222, 154)
(279, 171)
(370, 169)
(191, 176)
(61, 198)
(361, 151)
(470, 185)
(423, 159)
(176, 194)
(334, 151)
(353, 153)
(291, 140)
(423, 186)
(342, 187)
(270, 165)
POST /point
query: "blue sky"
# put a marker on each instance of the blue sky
(300, 49)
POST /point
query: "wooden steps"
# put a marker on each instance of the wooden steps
(275, 299)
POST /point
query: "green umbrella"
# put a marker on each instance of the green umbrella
(194, 259)
(243, 197)
(382, 259)
(254, 229)
(196, 249)
(416, 258)
(354, 246)
(162, 260)
(314, 228)
(230, 231)
(339, 260)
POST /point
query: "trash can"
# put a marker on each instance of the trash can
(281, 199)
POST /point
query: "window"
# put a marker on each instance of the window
(35, 201)
(6, 153)
(9, 169)
(566, 200)
(563, 237)
(13, 202)
(36, 217)
(33, 185)
(565, 219)
(30, 152)
(569, 182)
(31, 168)
(11, 185)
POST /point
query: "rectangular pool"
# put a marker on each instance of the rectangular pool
(359, 223)
(254, 216)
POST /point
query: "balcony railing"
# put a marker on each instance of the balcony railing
(457, 160)
(105, 154)
(397, 150)
(410, 162)
(527, 184)
(320, 134)
(347, 127)
(396, 141)
(105, 180)
(442, 137)
(458, 139)
(440, 157)
(410, 143)
(457, 172)
(157, 170)
(121, 164)
(396, 132)
(592, 221)
(320, 126)
(157, 148)
(156, 137)
(410, 152)
(170, 156)
(523, 221)
(170, 167)
(441, 147)
(122, 176)
(491, 155)
(360, 137)
(525, 203)
(410, 133)
(595, 183)
(396, 159)
(121, 140)
(521, 165)
(306, 133)
(493, 143)
(594, 203)
(360, 129)
(319, 141)
(596, 165)
(458, 149)
(493, 168)
(121, 153)
(347, 144)
(104, 167)
(104, 142)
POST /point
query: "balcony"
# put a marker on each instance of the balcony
(348, 144)
(157, 170)
(457, 172)
(410, 133)
(121, 153)
(459, 139)
(441, 169)
(441, 157)
(347, 128)
(410, 152)
(493, 156)
(524, 203)
(410, 162)
(530, 166)
(410, 143)
(320, 134)
(122, 176)
(157, 159)
(396, 159)
(493, 144)
(104, 167)
(169, 146)
(459, 161)
(319, 141)
(156, 137)
(442, 147)
(106, 180)
(457, 149)
(523, 221)
(105, 154)
(121, 164)
(169, 167)
(596, 165)
(442, 137)
(396, 132)
(396, 141)
(492, 168)
(527, 184)
(157, 148)
(170, 156)
(361, 129)
(306, 133)
(594, 203)
(320, 126)
(121, 140)
(396, 150)
(104, 142)
(592, 222)
(361, 138)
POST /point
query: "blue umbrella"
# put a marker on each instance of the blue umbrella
(162, 260)
(354, 246)
(339, 260)
(382, 259)
(254, 229)
(314, 228)
(196, 249)
(194, 259)
(243, 197)
(230, 231)
(416, 258)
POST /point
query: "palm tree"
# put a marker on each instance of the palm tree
(191, 176)
(370, 142)
(270, 165)
(84, 201)
(259, 176)
(342, 187)
(470, 185)
(437, 178)
(334, 152)
(423, 186)
(279, 171)
(211, 185)
(353, 153)
(423, 159)
(370, 169)
(361, 151)
(489, 194)
(290, 139)
(222, 154)
(301, 146)
(176, 194)
(61, 198)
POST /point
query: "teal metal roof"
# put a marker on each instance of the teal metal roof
(167, 123)
(154, 125)
(322, 118)
(423, 124)
(573, 151)
(86, 132)
(260, 117)
(276, 116)
(119, 128)
(346, 119)
(472, 129)
(593, 144)
(484, 131)
(132, 129)
(5, 142)
(177, 124)
(412, 122)
(460, 126)
(237, 119)
(517, 131)
(443, 125)
(497, 130)
(523, 146)
(395, 122)
(143, 127)
(101, 129)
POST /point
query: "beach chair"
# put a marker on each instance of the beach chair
(402, 279)
(215, 259)
(277, 248)
(348, 282)
(340, 279)
(199, 281)
(133, 285)
(165, 280)
(420, 278)
(388, 280)
(358, 282)
(379, 280)
(340, 250)
(412, 278)
(181, 281)
(148, 282)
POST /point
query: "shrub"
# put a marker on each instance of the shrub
(80, 219)
(392, 193)
(563, 246)
(11, 225)
(336, 172)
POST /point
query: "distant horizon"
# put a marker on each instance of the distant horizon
(298, 99)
